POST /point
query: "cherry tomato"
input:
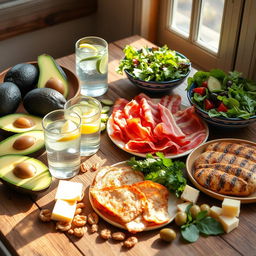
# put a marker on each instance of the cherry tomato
(222, 107)
(200, 90)
(205, 84)
(208, 104)
(135, 62)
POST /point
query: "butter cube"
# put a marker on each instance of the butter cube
(215, 212)
(231, 207)
(69, 191)
(190, 194)
(63, 210)
(228, 223)
(182, 207)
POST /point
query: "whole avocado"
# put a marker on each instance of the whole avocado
(24, 75)
(41, 101)
(10, 98)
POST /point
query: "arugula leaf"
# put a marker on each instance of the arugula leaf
(190, 233)
(209, 226)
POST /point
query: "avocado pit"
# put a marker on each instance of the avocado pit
(24, 170)
(23, 122)
(56, 84)
(24, 142)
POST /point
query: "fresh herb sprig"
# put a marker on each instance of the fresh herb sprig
(202, 224)
(162, 170)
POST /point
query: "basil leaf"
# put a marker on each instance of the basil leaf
(201, 215)
(189, 217)
(210, 226)
(190, 233)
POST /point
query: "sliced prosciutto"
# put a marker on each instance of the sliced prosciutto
(146, 125)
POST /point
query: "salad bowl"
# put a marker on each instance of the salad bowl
(148, 59)
(218, 121)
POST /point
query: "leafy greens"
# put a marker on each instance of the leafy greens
(153, 64)
(162, 170)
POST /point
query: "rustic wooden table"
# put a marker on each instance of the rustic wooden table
(24, 234)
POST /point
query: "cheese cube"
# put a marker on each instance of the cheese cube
(182, 207)
(215, 212)
(231, 207)
(63, 210)
(69, 191)
(228, 223)
(190, 194)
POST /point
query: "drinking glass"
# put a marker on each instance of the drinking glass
(89, 109)
(62, 141)
(92, 65)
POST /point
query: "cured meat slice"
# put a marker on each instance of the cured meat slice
(132, 109)
(172, 102)
(120, 104)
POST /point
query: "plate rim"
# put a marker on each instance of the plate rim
(244, 200)
(171, 156)
(116, 224)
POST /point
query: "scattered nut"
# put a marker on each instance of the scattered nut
(79, 232)
(71, 231)
(79, 220)
(83, 168)
(119, 236)
(63, 226)
(93, 218)
(94, 228)
(95, 167)
(78, 211)
(130, 242)
(45, 215)
(80, 205)
(105, 234)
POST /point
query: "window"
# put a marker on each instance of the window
(206, 31)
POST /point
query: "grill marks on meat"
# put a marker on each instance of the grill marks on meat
(241, 150)
(146, 125)
(227, 168)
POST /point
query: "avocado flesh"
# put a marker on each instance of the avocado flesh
(6, 123)
(6, 146)
(40, 181)
(48, 69)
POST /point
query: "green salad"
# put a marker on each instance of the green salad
(224, 95)
(154, 64)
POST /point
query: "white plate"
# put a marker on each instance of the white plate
(173, 201)
(121, 144)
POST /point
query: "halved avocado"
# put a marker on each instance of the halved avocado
(51, 75)
(27, 143)
(20, 122)
(10, 165)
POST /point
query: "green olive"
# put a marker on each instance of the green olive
(205, 207)
(194, 210)
(167, 234)
(181, 218)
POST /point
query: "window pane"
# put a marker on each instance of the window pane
(181, 16)
(210, 23)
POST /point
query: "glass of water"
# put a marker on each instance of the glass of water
(62, 141)
(89, 109)
(92, 65)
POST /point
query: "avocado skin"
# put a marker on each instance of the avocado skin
(41, 101)
(24, 75)
(10, 98)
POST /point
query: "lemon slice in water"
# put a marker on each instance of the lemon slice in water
(68, 127)
(89, 128)
(88, 47)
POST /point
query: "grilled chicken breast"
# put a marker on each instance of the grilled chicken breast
(222, 182)
(241, 150)
(212, 157)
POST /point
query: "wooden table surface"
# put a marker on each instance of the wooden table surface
(24, 234)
